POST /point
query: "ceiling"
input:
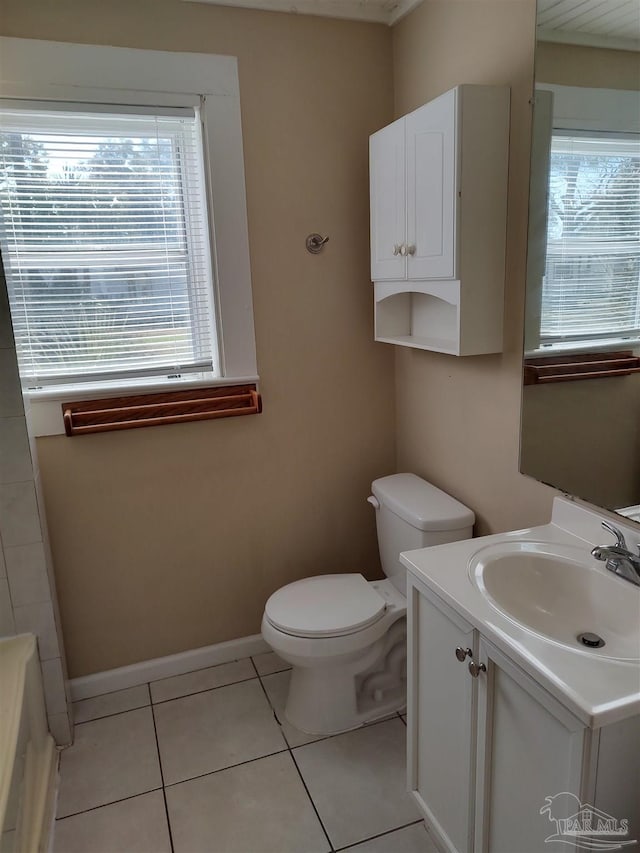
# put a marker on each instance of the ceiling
(379, 11)
(602, 23)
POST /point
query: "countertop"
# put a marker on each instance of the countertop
(598, 690)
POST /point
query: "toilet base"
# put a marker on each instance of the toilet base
(326, 700)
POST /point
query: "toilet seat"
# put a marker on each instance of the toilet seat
(325, 606)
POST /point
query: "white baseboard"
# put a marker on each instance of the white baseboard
(150, 670)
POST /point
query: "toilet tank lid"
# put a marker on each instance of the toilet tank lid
(421, 504)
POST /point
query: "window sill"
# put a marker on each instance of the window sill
(46, 411)
(568, 349)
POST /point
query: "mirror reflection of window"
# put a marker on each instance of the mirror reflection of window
(591, 284)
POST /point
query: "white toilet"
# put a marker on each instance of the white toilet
(345, 637)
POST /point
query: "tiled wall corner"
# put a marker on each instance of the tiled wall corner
(7, 341)
(27, 587)
(54, 692)
(38, 619)
(48, 558)
(61, 728)
(19, 518)
(27, 574)
(15, 454)
(7, 622)
(11, 405)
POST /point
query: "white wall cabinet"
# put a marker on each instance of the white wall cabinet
(438, 182)
(485, 751)
(387, 161)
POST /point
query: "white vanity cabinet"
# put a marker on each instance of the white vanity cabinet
(487, 747)
(438, 186)
(528, 747)
(441, 704)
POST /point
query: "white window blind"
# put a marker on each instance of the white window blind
(105, 243)
(591, 287)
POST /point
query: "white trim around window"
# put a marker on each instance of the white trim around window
(34, 70)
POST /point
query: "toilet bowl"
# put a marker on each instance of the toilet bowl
(332, 658)
(344, 636)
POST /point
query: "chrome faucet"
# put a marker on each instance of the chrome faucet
(617, 558)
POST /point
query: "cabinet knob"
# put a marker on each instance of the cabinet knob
(403, 249)
(411, 249)
(476, 668)
(461, 653)
(396, 249)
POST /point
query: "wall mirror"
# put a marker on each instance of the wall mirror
(581, 395)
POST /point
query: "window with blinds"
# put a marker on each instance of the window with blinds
(105, 242)
(591, 286)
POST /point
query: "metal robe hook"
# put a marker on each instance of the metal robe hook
(315, 243)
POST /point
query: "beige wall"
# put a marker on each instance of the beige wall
(171, 538)
(575, 65)
(583, 436)
(458, 419)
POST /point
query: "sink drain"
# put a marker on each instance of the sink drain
(591, 641)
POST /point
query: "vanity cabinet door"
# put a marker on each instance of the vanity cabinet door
(440, 719)
(388, 203)
(530, 748)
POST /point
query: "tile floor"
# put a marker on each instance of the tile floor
(206, 763)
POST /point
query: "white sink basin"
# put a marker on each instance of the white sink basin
(554, 591)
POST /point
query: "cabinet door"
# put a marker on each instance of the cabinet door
(440, 709)
(618, 775)
(388, 202)
(432, 191)
(529, 760)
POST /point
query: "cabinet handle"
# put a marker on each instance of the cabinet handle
(461, 653)
(411, 249)
(396, 249)
(476, 668)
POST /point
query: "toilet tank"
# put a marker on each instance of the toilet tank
(411, 513)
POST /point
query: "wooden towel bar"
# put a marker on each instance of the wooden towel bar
(167, 407)
(568, 368)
